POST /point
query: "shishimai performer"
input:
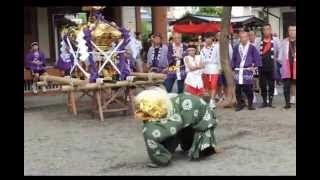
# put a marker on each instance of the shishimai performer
(173, 119)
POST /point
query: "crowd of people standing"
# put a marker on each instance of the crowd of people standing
(257, 64)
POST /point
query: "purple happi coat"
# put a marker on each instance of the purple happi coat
(65, 61)
(172, 61)
(125, 66)
(253, 58)
(33, 56)
(163, 61)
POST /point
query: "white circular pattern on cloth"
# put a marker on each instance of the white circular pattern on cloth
(156, 133)
(204, 146)
(195, 113)
(144, 129)
(207, 116)
(208, 134)
(176, 118)
(173, 130)
(152, 144)
(187, 104)
(163, 121)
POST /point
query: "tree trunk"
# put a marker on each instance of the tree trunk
(229, 100)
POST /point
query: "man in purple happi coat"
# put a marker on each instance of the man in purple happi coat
(126, 64)
(35, 61)
(245, 60)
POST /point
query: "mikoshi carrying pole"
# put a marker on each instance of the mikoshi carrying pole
(62, 80)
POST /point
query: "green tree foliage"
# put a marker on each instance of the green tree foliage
(146, 30)
(210, 11)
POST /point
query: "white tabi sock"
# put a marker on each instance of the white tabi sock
(34, 88)
(293, 100)
(212, 104)
(254, 98)
(275, 92)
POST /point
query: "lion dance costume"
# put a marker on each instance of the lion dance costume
(172, 119)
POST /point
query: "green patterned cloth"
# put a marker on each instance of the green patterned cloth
(188, 111)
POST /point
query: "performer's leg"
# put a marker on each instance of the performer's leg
(186, 138)
(160, 141)
(286, 92)
(248, 89)
(34, 82)
(271, 83)
(180, 84)
(171, 143)
(157, 152)
(36, 77)
(168, 83)
(43, 72)
(263, 87)
(293, 92)
(213, 89)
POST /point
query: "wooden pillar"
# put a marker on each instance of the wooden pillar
(30, 27)
(160, 21)
(138, 18)
(117, 15)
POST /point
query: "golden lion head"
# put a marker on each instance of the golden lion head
(152, 104)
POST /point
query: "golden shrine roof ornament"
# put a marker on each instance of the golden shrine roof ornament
(89, 8)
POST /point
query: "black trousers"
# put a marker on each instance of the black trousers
(247, 89)
(184, 138)
(168, 83)
(286, 89)
(266, 79)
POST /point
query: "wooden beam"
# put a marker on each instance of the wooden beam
(94, 86)
(62, 80)
(149, 75)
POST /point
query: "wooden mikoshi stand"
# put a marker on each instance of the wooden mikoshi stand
(104, 97)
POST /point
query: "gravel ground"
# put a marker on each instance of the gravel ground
(261, 142)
